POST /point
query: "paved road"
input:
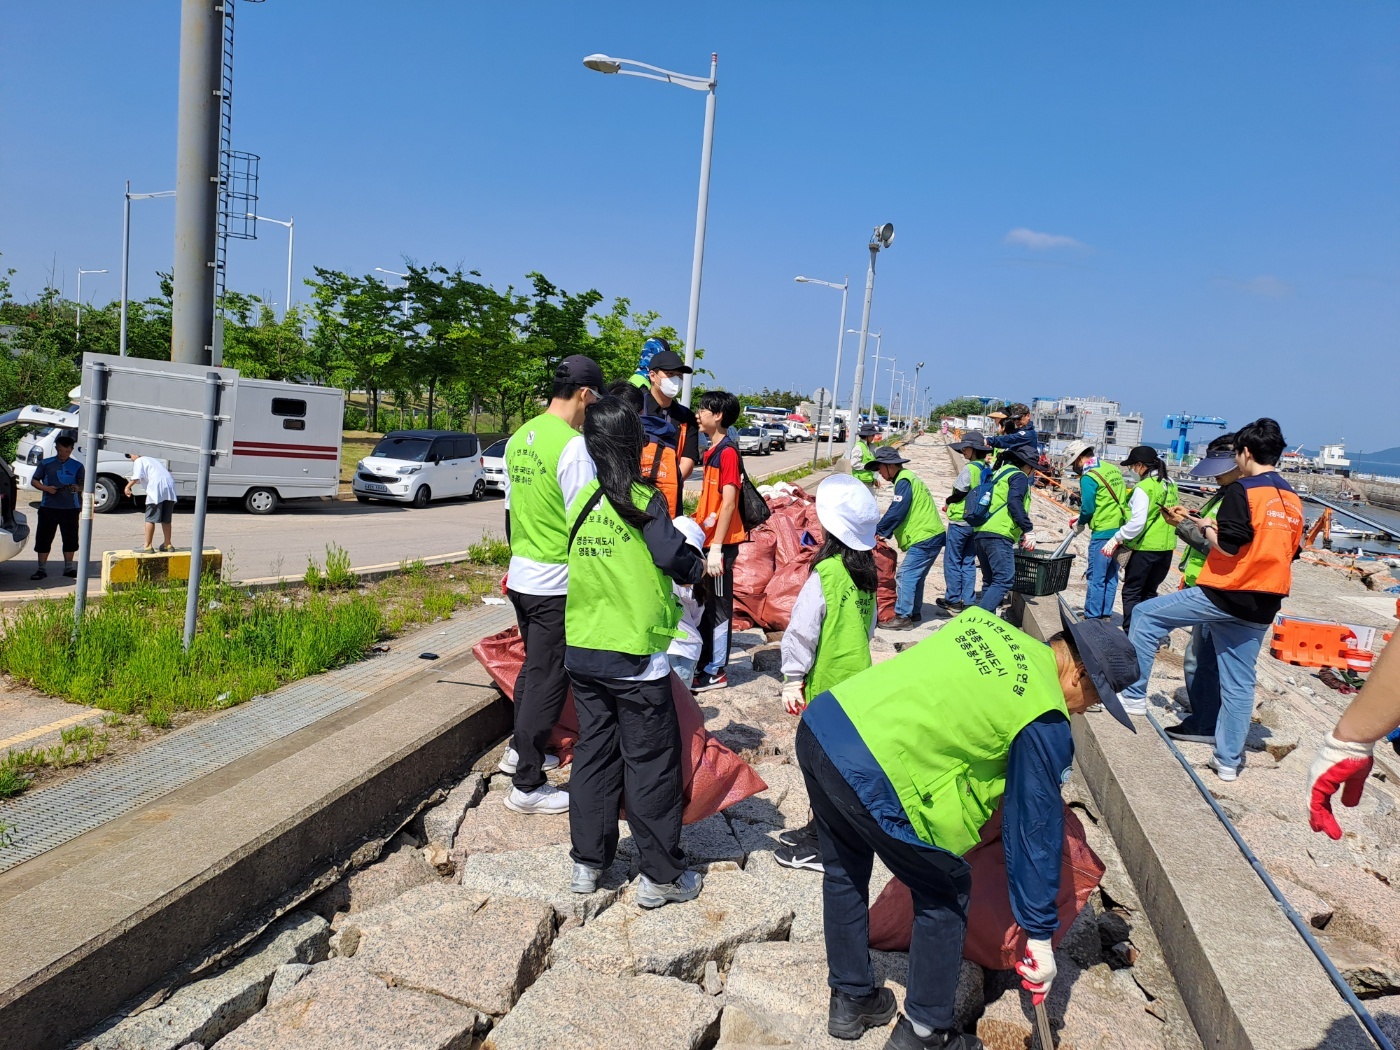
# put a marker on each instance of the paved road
(281, 543)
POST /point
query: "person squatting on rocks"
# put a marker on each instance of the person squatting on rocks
(547, 466)
(1007, 525)
(1103, 509)
(718, 516)
(1255, 537)
(1344, 761)
(1199, 663)
(907, 760)
(1147, 533)
(60, 479)
(828, 636)
(620, 618)
(912, 519)
(960, 556)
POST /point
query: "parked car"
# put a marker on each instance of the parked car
(756, 440)
(777, 436)
(418, 466)
(493, 465)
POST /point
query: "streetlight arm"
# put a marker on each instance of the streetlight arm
(149, 196)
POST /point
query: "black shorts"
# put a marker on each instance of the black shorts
(159, 513)
(52, 520)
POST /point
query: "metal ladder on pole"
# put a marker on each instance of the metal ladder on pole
(238, 182)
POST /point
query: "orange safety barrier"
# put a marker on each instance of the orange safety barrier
(1311, 643)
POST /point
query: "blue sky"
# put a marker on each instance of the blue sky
(1205, 192)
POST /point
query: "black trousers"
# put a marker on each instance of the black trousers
(52, 520)
(939, 882)
(1145, 573)
(543, 685)
(716, 632)
(629, 748)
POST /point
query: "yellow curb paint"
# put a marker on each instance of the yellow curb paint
(41, 730)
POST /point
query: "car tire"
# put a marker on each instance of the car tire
(106, 495)
(422, 497)
(479, 490)
(359, 498)
(260, 501)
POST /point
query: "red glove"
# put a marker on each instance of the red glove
(1037, 969)
(1339, 764)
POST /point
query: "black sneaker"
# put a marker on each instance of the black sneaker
(951, 608)
(806, 835)
(1187, 733)
(71, 572)
(905, 1038)
(807, 858)
(38, 574)
(704, 682)
(850, 1018)
(899, 623)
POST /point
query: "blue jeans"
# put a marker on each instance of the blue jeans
(960, 565)
(1102, 574)
(909, 579)
(1237, 644)
(1202, 682)
(997, 556)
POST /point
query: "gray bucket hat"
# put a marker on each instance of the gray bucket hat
(973, 439)
(1108, 656)
(885, 454)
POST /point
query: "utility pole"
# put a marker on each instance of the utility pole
(197, 180)
(881, 238)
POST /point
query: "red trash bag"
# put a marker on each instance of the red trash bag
(713, 776)
(885, 559)
(753, 568)
(784, 587)
(994, 940)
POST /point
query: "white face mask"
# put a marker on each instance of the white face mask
(669, 386)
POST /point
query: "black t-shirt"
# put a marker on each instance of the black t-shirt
(680, 416)
(1235, 527)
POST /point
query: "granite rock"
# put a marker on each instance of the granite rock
(571, 1006)
(285, 979)
(709, 841)
(491, 828)
(440, 823)
(542, 873)
(393, 874)
(420, 900)
(1089, 1009)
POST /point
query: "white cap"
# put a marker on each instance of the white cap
(847, 510)
(694, 535)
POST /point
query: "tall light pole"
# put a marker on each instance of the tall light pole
(606, 64)
(845, 287)
(916, 381)
(291, 234)
(127, 198)
(881, 238)
(860, 393)
(889, 408)
(78, 326)
(404, 276)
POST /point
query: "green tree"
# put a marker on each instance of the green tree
(358, 335)
(262, 347)
(621, 335)
(963, 406)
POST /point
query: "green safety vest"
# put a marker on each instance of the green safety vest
(843, 647)
(863, 456)
(1111, 499)
(618, 599)
(1194, 560)
(1000, 522)
(940, 718)
(538, 530)
(922, 522)
(977, 469)
(1158, 534)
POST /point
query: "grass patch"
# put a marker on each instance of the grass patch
(77, 746)
(489, 551)
(337, 574)
(796, 473)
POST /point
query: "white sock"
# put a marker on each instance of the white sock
(920, 1030)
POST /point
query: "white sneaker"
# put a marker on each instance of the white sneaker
(1225, 773)
(546, 799)
(1133, 707)
(511, 759)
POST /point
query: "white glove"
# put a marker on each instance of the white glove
(1079, 527)
(793, 699)
(1111, 547)
(1339, 765)
(1037, 970)
(714, 564)
(1027, 542)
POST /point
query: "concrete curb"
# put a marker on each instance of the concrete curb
(1248, 980)
(97, 921)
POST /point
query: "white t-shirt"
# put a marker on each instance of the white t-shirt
(574, 471)
(154, 478)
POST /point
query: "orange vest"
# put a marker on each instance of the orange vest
(661, 466)
(1266, 562)
(712, 496)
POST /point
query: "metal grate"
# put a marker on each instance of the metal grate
(48, 817)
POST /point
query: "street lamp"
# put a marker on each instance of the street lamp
(396, 273)
(860, 394)
(881, 238)
(291, 233)
(845, 287)
(916, 380)
(78, 327)
(889, 409)
(128, 197)
(607, 64)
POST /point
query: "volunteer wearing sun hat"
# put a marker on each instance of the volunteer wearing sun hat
(1016, 432)
(907, 760)
(912, 519)
(828, 636)
(860, 454)
(1147, 532)
(1008, 525)
(1103, 508)
(960, 556)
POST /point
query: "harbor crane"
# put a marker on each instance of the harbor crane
(1182, 424)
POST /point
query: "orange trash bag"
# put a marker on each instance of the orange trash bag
(994, 940)
(713, 777)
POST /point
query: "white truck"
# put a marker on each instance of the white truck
(286, 445)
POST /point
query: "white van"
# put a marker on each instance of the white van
(286, 445)
(418, 466)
